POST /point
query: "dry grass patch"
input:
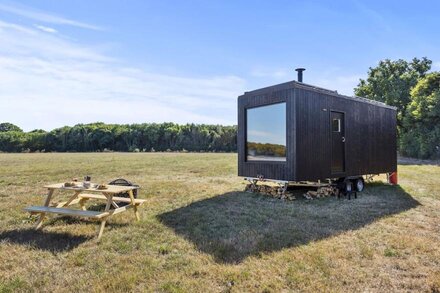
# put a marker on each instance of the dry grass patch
(200, 233)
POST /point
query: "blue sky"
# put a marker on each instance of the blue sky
(68, 62)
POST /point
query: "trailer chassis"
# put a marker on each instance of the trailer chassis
(345, 185)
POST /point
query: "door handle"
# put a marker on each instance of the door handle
(343, 139)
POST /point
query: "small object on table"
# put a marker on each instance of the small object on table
(75, 179)
(101, 186)
(86, 182)
(69, 184)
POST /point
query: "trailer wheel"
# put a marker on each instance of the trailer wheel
(344, 186)
(359, 184)
(348, 186)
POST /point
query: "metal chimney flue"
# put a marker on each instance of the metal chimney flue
(300, 74)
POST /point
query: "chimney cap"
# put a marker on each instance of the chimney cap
(300, 73)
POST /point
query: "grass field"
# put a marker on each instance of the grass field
(200, 233)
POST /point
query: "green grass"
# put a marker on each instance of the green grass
(200, 233)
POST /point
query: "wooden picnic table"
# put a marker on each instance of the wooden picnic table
(81, 195)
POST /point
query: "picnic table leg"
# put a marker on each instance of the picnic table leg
(135, 207)
(46, 204)
(104, 220)
(72, 198)
(82, 203)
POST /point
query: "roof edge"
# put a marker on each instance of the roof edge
(335, 93)
(296, 84)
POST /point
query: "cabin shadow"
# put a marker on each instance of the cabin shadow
(44, 240)
(235, 225)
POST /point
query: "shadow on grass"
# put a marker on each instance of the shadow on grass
(53, 241)
(235, 225)
(66, 220)
(40, 239)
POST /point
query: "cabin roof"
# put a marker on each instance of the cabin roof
(296, 84)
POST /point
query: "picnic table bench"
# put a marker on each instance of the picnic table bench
(81, 196)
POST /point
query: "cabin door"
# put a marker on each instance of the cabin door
(337, 142)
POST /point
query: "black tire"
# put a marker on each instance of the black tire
(359, 184)
(342, 184)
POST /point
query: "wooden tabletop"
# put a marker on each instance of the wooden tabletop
(110, 188)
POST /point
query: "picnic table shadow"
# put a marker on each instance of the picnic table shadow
(54, 242)
(235, 225)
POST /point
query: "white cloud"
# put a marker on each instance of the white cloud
(375, 16)
(265, 136)
(332, 78)
(344, 84)
(46, 29)
(48, 81)
(33, 14)
(436, 65)
(271, 73)
(259, 133)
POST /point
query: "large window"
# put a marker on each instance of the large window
(266, 133)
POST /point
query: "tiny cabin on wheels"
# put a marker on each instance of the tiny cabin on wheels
(295, 132)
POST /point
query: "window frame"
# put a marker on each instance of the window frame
(339, 125)
(246, 135)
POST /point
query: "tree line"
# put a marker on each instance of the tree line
(116, 137)
(266, 149)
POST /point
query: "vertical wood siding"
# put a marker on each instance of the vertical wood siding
(370, 132)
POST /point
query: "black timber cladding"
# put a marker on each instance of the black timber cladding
(370, 131)
(272, 96)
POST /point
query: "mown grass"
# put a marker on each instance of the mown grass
(200, 233)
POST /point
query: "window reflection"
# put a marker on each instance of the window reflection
(266, 133)
(336, 125)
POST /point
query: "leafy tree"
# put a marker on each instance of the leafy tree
(34, 141)
(391, 82)
(12, 141)
(421, 124)
(38, 131)
(266, 149)
(5, 127)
